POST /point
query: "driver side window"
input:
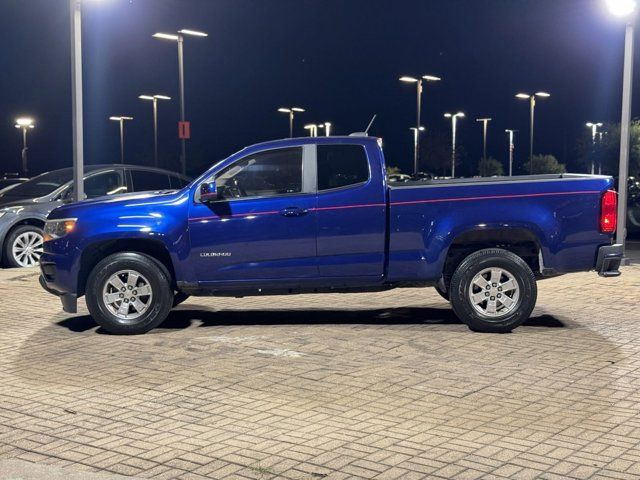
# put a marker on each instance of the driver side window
(265, 174)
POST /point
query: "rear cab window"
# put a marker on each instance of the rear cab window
(341, 166)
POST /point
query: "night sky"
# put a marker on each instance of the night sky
(339, 59)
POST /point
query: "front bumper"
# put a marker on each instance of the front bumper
(609, 258)
(69, 300)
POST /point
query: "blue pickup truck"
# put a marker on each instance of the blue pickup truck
(319, 215)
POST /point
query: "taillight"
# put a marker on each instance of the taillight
(609, 212)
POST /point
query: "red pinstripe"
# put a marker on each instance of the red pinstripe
(409, 202)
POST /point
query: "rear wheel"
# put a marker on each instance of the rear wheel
(493, 290)
(23, 246)
(128, 293)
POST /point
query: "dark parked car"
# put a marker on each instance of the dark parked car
(24, 208)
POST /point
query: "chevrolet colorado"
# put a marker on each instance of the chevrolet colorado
(319, 215)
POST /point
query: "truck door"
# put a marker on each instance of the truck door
(351, 211)
(263, 227)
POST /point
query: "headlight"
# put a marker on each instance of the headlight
(54, 229)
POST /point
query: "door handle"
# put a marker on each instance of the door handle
(293, 212)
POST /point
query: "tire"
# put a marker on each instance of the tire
(138, 274)
(442, 290)
(23, 246)
(494, 272)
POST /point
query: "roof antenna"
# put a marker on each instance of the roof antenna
(373, 119)
(366, 132)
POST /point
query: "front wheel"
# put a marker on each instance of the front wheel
(493, 290)
(128, 294)
(23, 246)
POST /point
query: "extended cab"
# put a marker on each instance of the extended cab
(318, 215)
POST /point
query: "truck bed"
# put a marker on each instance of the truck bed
(559, 212)
(494, 180)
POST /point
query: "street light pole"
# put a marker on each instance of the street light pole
(24, 124)
(511, 149)
(532, 111)
(291, 111)
(313, 129)
(419, 90)
(327, 128)
(121, 120)
(454, 122)
(485, 123)
(179, 39)
(76, 99)
(416, 136)
(154, 99)
(625, 9)
(183, 141)
(594, 134)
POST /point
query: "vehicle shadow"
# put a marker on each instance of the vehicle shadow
(184, 318)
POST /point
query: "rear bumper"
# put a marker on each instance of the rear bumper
(609, 258)
(69, 300)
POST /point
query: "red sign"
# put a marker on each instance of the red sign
(184, 130)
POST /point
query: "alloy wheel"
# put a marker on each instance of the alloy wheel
(27, 249)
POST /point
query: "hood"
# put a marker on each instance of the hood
(127, 198)
(116, 202)
(18, 201)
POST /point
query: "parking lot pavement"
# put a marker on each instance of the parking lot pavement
(633, 250)
(386, 385)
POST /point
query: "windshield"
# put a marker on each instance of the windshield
(42, 184)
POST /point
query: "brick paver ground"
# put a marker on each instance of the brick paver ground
(385, 385)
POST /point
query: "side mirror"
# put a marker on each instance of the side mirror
(208, 192)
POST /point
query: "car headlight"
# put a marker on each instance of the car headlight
(54, 229)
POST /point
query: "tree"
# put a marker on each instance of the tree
(490, 167)
(545, 164)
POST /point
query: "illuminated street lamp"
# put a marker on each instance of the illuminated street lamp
(625, 9)
(511, 149)
(25, 124)
(291, 111)
(154, 99)
(313, 129)
(121, 120)
(327, 128)
(532, 102)
(594, 134)
(179, 38)
(419, 88)
(485, 124)
(454, 122)
(622, 8)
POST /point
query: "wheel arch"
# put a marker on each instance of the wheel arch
(520, 240)
(95, 252)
